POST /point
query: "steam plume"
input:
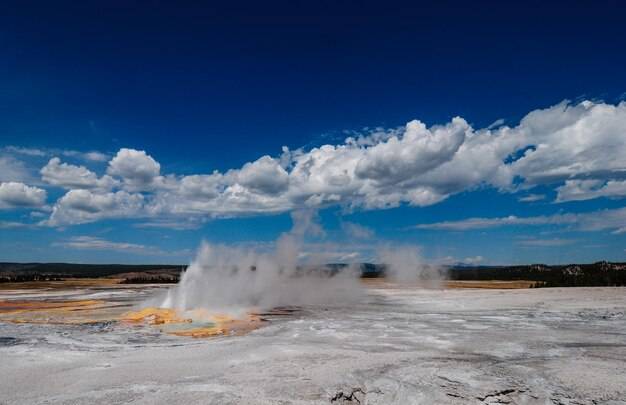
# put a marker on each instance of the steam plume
(404, 264)
(235, 280)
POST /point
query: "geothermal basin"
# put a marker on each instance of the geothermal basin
(392, 345)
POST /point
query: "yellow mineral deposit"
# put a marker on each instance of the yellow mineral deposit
(195, 323)
(154, 316)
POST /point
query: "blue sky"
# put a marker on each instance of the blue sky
(129, 133)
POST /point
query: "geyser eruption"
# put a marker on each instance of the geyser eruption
(234, 281)
(237, 281)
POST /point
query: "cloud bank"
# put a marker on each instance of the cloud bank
(578, 149)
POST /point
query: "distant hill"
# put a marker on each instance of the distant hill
(594, 274)
(16, 272)
(570, 275)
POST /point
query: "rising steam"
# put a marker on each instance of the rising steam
(235, 280)
(404, 264)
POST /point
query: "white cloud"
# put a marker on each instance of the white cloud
(453, 261)
(233, 200)
(473, 260)
(417, 151)
(202, 187)
(26, 151)
(82, 206)
(13, 225)
(19, 195)
(94, 243)
(562, 146)
(264, 175)
(571, 141)
(179, 224)
(136, 168)
(577, 190)
(93, 156)
(496, 123)
(532, 198)
(377, 173)
(74, 177)
(22, 164)
(556, 242)
(12, 169)
(483, 223)
(591, 221)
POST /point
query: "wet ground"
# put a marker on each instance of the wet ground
(396, 346)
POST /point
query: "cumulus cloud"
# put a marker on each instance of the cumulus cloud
(232, 200)
(202, 187)
(137, 169)
(375, 173)
(73, 177)
(577, 149)
(82, 206)
(19, 195)
(585, 140)
(417, 151)
(264, 175)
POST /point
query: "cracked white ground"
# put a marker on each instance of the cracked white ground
(396, 346)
